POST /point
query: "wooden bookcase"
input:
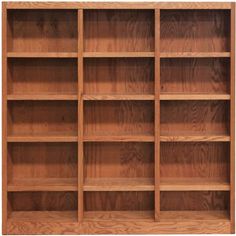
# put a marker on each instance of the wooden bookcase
(118, 118)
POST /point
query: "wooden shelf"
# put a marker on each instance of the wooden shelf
(42, 138)
(50, 97)
(119, 215)
(193, 54)
(195, 138)
(120, 138)
(194, 215)
(193, 184)
(117, 54)
(119, 184)
(42, 55)
(44, 216)
(43, 184)
(119, 97)
(179, 96)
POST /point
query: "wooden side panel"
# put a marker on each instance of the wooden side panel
(118, 30)
(43, 30)
(195, 31)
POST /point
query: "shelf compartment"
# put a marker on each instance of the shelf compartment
(43, 216)
(43, 184)
(39, 166)
(118, 119)
(42, 30)
(206, 160)
(194, 201)
(119, 184)
(195, 118)
(48, 206)
(119, 160)
(119, 215)
(181, 97)
(36, 79)
(195, 77)
(207, 31)
(193, 184)
(131, 202)
(116, 30)
(118, 77)
(39, 119)
(195, 215)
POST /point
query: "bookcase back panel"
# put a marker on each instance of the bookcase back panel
(43, 201)
(194, 201)
(118, 30)
(119, 76)
(42, 76)
(118, 118)
(195, 75)
(119, 201)
(42, 160)
(43, 30)
(200, 160)
(196, 117)
(40, 117)
(119, 160)
(195, 31)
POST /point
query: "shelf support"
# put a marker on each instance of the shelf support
(80, 116)
(157, 115)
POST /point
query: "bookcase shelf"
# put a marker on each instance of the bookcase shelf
(118, 118)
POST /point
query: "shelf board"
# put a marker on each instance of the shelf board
(20, 97)
(42, 138)
(119, 138)
(193, 54)
(44, 216)
(193, 184)
(119, 184)
(180, 96)
(118, 97)
(194, 215)
(118, 215)
(117, 54)
(194, 138)
(42, 54)
(43, 184)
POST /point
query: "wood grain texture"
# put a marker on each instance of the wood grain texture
(117, 54)
(180, 96)
(195, 31)
(40, 118)
(118, 118)
(119, 201)
(119, 97)
(126, 76)
(119, 160)
(118, 30)
(195, 160)
(42, 55)
(194, 118)
(42, 138)
(194, 138)
(194, 54)
(43, 31)
(195, 75)
(119, 138)
(42, 77)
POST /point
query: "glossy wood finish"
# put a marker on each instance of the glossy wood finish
(118, 118)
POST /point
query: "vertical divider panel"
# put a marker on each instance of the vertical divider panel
(232, 118)
(157, 114)
(4, 119)
(80, 116)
